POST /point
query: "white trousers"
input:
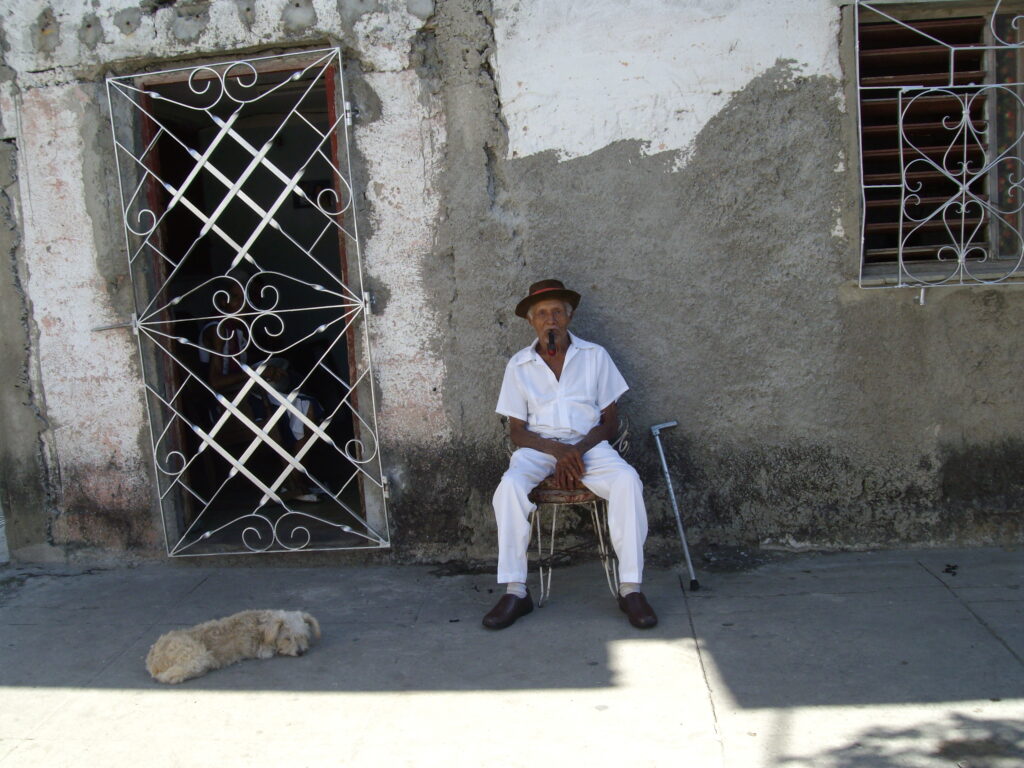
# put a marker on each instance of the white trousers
(607, 475)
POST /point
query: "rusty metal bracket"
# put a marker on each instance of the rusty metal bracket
(133, 324)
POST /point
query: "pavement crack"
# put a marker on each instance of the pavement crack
(148, 629)
(704, 674)
(123, 652)
(10, 585)
(973, 613)
(197, 585)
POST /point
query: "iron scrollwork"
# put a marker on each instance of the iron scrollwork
(268, 297)
(973, 154)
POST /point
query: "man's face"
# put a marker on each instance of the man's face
(550, 315)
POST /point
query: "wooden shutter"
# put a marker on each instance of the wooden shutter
(893, 56)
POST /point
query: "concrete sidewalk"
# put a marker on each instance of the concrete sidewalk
(876, 659)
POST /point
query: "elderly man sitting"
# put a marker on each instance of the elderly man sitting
(559, 395)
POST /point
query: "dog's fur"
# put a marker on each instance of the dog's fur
(182, 654)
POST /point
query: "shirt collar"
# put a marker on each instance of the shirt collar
(529, 354)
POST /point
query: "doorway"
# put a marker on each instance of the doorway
(239, 222)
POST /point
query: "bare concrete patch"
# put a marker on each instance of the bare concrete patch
(190, 21)
(23, 473)
(112, 531)
(352, 10)
(46, 31)
(298, 15)
(90, 33)
(246, 12)
(128, 20)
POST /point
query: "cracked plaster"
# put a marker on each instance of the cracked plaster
(123, 31)
(92, 393)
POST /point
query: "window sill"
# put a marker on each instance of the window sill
(924, 275)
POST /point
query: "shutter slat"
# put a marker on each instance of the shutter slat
(877, 130)
(924, 201)
(890, 35)
(910, 153)
(912, 226)
(970, 77)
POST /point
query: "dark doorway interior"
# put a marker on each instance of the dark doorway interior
(251, 274)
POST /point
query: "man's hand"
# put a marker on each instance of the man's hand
(569, 469)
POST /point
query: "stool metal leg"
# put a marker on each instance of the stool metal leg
(545, 570)
(604, 549)
(599, 517)
(535, 525)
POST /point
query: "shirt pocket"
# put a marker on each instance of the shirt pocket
(583, 414)
(544, 411)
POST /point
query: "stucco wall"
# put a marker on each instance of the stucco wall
(686, 166)
(22, 453)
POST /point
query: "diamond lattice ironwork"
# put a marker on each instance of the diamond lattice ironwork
(237, 203)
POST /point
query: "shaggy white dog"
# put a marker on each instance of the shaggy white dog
(182, 654)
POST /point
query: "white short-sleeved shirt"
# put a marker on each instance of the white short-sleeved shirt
(562, 409)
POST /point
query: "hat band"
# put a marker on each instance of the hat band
(545, 290)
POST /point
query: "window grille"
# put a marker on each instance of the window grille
(940, 122)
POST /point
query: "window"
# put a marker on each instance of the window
(941, 102)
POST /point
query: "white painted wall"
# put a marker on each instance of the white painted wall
(91, 392)
(403, 151)
(576, 75)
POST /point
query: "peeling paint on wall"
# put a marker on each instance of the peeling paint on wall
(410, 370)
(577, 76)
(123, 30)
(92, 393)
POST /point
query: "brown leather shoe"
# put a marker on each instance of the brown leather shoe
(638, 610)
(507, 610)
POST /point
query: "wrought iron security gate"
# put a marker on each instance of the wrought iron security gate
(237, 199)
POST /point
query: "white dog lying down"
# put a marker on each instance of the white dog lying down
(182, 654)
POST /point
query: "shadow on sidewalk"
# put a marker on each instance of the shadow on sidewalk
(854, 629)
(966, 742)
(384, 629)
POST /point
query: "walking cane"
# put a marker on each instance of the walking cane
(656, 431)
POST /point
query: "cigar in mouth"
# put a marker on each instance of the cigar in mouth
(551, 343)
